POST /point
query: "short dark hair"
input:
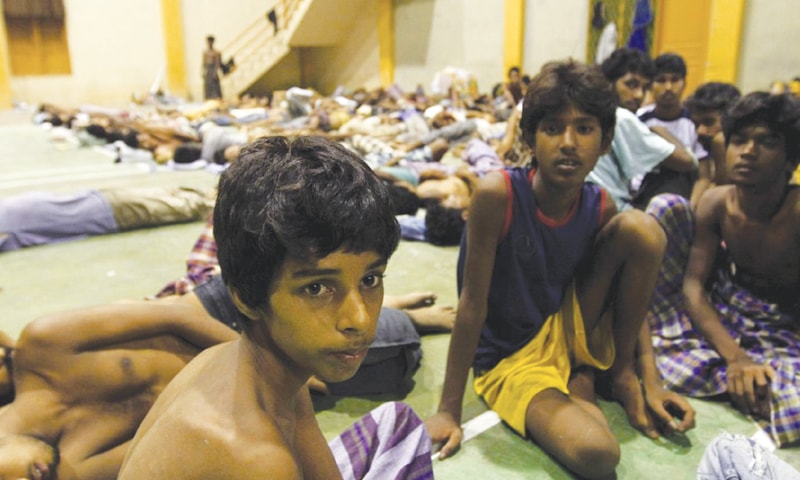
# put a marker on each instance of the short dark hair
(780, 113)
(302, 198)
(404, 201)
(627, 60)
(670, 63)
(713, 96)
(187, 152)
(443, 226)
(96, 130)
(560, 84)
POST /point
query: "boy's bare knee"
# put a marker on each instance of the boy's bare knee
(636, 231)
(597, 460)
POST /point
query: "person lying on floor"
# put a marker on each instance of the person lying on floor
(82, 381)
(724, 316)
(40, 218)
(554, 285)
(304, 231)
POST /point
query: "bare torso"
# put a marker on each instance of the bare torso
(766, 253)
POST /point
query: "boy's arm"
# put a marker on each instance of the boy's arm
(681, 159)
(103, 325)
(718, 157)
(746, 379)
(705, 178)
(312, 449)
(484, 228)
(664, 404)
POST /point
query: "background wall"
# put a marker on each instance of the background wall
(770, 39)
(433, 34)
(117, 49)
(114, 52)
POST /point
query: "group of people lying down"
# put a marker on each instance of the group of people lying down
(561, 294)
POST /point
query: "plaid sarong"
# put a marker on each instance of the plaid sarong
(390, 442)
(201, 264)
(688, 363)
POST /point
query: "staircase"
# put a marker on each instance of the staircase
(259, 46)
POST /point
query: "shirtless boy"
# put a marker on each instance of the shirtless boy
(304, 231)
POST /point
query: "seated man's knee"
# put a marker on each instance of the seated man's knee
(637, 232)
(597, 459)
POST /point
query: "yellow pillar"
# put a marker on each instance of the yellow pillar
(173, 47)
(514, 43)
(724, 40)
(5, 71)
(386, 41)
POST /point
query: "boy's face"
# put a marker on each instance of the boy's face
(707, 123)
(631, 88)
(668, 89)
(323, 313)
(567, 147)
(756, 155)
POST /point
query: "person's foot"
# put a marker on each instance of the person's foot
(409, 300)
(626, 389)
(432, 319)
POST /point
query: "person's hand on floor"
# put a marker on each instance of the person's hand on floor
(444, 429)
(749, 385)
(669, 409)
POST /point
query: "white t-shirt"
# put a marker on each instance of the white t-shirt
(635, 150)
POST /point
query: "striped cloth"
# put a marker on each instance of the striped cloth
(388, 443)
(201, 264)
(688, 363)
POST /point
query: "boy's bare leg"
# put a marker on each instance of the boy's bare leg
(622, 274)
(424, 314)
(409, 300)
(575, 432)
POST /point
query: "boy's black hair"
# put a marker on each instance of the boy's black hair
(627, 60)
(187, 152)
(513, 70)
(302, 198)
(404, 201)
(780, 113)
(713, 97)
(670, 63)
(443, 226)
(561, 84)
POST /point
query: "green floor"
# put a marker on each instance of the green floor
(46, 279)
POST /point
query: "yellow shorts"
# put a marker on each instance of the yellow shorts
(546, 362)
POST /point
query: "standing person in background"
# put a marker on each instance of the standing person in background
(212, 64)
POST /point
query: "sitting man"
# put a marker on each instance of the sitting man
(635, 149)
(668, 112)
(706, 106)
(729, 326)
(304, 233)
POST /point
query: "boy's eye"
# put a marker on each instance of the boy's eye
(769, 141)
(317, 289)
(372, 280)
(551, 129)
(737, 139)
(585, 129)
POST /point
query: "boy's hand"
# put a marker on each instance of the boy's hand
(667, 406)
(749, 386)
(442, 427)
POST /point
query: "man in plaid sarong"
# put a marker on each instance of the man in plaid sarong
(724, 317)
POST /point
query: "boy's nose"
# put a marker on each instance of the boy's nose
(353, 316)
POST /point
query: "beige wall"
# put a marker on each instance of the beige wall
(431, 35)
(354, 62)
(770, 39)
(554, 30)
(114, 52)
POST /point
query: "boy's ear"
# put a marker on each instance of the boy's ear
(247, 311)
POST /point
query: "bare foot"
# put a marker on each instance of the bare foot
(432, 319)
(625, 389)
(409, 300)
